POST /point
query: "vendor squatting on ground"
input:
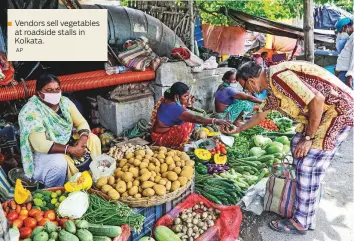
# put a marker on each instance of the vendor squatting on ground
(46, 127)
(323, 105)
(172, 123)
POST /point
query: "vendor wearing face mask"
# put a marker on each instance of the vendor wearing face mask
(230, 103)
(46, 126)
(172, 123)
(323, 106)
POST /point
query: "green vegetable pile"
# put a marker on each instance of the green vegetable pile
(46, 200)
(240, 148)
(284, 124)
(274, 115)
(112, 212)
(217, 189)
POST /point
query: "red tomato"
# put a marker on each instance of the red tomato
(62, 221)
(18, 223)
(50, 214)
(43, 221)
(33, 212)
(12, 216)
(223, 151)
(30, 222)
(25, 232)
(41, 213)
(38, 217)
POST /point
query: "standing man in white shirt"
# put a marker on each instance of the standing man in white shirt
(345, 61)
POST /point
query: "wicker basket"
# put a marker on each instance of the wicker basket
(124, 236)
(155, 200)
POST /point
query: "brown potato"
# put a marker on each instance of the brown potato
(111, 180)
(101, 182)
(113, 194)
(171, 167)
(123, 162)
(121, 187)
(149, 192)
(177, 170)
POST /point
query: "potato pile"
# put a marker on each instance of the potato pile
(146, 173)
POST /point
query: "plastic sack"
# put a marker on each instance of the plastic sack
(226, 227)
(210, 63)
(102, 166)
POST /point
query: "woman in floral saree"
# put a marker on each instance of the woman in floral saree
(172, 124)
(46, 127)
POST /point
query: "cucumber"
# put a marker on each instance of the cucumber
(84, 235)
(105, 230)
(70, 226)
(265, 158)
(101, 238)
(82, 224)
(211, 198)
(66, 236)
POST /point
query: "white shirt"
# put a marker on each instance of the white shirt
(345, 61)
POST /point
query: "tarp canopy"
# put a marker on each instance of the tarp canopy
(263, 25)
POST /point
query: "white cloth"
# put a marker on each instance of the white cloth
(345, 61)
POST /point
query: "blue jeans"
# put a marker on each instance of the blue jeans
(342, 77)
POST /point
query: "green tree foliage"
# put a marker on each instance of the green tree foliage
(271, 9)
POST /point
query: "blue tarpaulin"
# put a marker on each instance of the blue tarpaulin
(326, 16)
(198, 33)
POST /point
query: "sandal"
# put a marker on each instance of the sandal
(285, 226)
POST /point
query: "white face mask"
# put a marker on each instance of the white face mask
(52, 98)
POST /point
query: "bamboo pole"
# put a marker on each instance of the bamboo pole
(191, 25)
(308, 31)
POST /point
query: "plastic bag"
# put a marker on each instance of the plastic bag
(210, 63)
(102, 166)
(226, 227)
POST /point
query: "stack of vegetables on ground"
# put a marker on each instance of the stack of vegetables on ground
(146, 173)
(217, 189)
(189, 224)
(101, 211)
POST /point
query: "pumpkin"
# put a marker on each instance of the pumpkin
(21, 194)
(83, 182)
(220, 160)
(202, 154)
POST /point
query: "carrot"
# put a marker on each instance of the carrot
(13, 205)
(29, 206)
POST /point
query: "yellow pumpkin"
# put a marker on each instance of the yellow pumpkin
(202, 154)
(220, 160)
(21, 194)
(84, 182)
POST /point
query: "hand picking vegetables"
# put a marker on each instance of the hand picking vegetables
(193, 222)
(148, 173)
(101, 211)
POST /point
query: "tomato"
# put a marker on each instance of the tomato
(43, 221)
(25, 232)
(38, 217)
(18, 223)
(33, 212)
(56, 223)
(50, 214)
(62, 221)
(24, 212)
(223, 151)
(41, 213)
(22, 217)
(12, 216)
(30, 222)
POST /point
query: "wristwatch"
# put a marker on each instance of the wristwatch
(309, 138)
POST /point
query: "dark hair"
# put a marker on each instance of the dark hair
(45, 79)
(264, 53)
(248, 70)
(227, 75)
(177, 88)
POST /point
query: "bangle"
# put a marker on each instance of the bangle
(213, 121)
(66, 149)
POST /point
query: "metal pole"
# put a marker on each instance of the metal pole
(190, 2)
(308, 31)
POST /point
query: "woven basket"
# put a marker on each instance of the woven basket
(124, 236)
(155, 200)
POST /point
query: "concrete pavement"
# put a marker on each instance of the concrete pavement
(335, 217)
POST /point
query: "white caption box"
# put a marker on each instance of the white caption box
(57, 35)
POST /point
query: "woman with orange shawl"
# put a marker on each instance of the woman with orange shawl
(172, 124)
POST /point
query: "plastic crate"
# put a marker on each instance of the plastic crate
(152, 214)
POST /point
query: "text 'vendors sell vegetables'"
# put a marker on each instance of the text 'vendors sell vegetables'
(146, 173)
